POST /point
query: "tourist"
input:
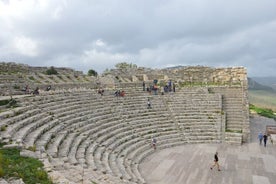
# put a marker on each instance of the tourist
(154, 142)
(155, 88)
(26, 89)
(260, 137)
(144, 86)
(215, 162)
(48, 88)
(265, 139)
(117, 93)
(122, 94)
(166, 89)
(170, 85)
(36, 91)
(101, 91)
(149, 104)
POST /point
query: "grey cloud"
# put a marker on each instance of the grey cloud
(149, 33)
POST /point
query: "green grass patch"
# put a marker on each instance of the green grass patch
(263, 99)
(9, 103)
(29, 169)
(263, 111)
(31, 78)
(233, 131)
(4, 102)
(3, 128)
(16, 87)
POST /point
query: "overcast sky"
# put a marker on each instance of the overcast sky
(97, 34)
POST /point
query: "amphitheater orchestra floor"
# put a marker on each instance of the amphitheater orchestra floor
(250, 163)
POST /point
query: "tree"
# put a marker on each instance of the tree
(51, 71)
(92, 72)
(125, 65)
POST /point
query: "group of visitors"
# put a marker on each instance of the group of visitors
(27, 90)
(120, 93)
(169, 87)
(262, 137)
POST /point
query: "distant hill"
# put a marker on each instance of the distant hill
(261, 92)
(266, 86)
(267, 81)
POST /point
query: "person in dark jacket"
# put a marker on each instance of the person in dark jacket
(265, 140)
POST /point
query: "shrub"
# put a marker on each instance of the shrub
(1, 171)
(3, 128)
(32, 148)
(4, 102)
(16, 87)
(1, 164)
(92, 72)
(9, 103)
(31, 78)
(51, 71)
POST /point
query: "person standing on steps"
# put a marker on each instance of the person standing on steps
(149, 104)
(265, 139)
(215, 162)
(153, 142)
(144, 86)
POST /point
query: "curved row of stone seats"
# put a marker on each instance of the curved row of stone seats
(57, 79)
(108, 134)
(199, 116)
(233, 106)
(17, 115)
(236, 112)
(41, 124)
(192, 90)
(106, 143)
(30, 121)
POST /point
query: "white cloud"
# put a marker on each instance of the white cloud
(103, 60)
(99, 43)
(26, 46)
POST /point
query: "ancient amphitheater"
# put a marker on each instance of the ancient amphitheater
(83, 137)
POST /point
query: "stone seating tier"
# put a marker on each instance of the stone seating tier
(112, 135)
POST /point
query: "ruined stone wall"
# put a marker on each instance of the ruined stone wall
(193, 74)
(231, 75)
(11, 68)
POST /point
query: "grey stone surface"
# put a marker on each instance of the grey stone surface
(246, 164)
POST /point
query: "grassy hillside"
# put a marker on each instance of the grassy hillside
(262, 98)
